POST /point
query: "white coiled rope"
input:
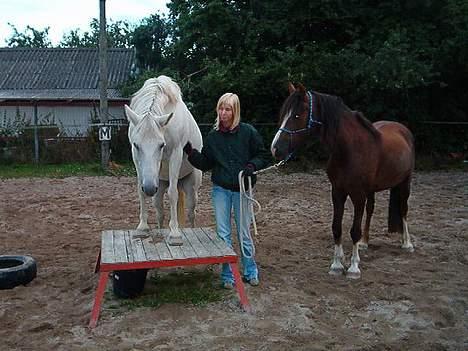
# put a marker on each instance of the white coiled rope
(244, 219)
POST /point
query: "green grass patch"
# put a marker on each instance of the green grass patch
(196, 288)
(64, 170)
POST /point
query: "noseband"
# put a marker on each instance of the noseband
(310, 122)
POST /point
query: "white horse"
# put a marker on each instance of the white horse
(160, 125)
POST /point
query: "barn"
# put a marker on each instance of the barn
(61, 85)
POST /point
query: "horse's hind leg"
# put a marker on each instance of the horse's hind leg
(190, 185)
(338, 199)
(364, 242)
(398, 211)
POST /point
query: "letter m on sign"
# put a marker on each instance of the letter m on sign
(104, 133)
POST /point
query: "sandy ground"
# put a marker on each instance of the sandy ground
(404, 301)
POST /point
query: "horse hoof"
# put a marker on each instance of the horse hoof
(353, 275)
(143, 228)
(336, 271)
(408, 248)
(363, 246)
(175, 240)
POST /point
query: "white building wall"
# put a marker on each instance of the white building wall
(71, 120)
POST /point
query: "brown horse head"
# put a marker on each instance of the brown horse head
(297, 121)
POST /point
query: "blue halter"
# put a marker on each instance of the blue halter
(310, 120)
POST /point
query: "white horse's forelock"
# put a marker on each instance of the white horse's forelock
(155, 94)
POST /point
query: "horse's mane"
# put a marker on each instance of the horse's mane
(154, 95)
(332, 109)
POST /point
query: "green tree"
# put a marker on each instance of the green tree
(119, 35)
(150, 39)
(32, 38)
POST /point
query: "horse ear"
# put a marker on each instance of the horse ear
(301, 88)
(164, 119)
(132, 117)
(291, 88)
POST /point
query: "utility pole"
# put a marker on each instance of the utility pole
(103, 105)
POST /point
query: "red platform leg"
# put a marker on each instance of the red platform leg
(240, 287)
(103, 277)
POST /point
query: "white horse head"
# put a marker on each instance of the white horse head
(146, 135)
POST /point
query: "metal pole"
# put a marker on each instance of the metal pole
(103, 105)
(36, 136)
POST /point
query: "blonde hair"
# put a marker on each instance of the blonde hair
(232, 100)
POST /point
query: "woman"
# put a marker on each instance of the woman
(229, 148)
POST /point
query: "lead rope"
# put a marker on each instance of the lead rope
(244, 219)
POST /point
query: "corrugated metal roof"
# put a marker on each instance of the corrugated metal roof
(61, 73)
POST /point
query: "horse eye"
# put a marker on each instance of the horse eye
(136, 146)
(162, 145)
(296, 116)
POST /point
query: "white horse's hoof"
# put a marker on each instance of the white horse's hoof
(353, 273)
(143, 227)
(174, 240)
(336, 271)
(408, 247)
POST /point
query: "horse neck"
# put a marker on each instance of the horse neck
(354, 135)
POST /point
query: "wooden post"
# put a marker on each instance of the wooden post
(103, 105)
(36, 135)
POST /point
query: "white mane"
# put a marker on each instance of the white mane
(154, 95)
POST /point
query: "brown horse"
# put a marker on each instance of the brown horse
(364, 158)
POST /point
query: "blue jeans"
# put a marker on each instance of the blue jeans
(223, 201)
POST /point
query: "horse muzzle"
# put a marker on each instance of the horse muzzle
(149, 188)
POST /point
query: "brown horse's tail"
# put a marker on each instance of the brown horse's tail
(395, 220)
(180, 209)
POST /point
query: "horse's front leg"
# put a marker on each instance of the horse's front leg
(143, 225)
(359, 201)
(338, 198)
(158, 202)
(175, 236)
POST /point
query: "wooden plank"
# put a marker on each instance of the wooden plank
(150, 250)
(207, 243)
(192, 240)
(107, 247)
(187, 248)
(218, 242)
(120, 248)
(137, 246)
(128, 246)
(162, 248)
(196, 244)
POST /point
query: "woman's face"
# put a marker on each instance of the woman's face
(226, 115)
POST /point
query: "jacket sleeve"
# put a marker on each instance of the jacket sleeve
(202, 160)
(261, 157)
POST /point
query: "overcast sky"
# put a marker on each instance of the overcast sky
(63, 15)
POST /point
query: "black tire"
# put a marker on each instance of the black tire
(16, 270)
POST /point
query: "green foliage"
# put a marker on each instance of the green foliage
(31, 38)
(119, 35)
(398, 60)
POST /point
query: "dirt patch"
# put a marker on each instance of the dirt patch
(411, 301)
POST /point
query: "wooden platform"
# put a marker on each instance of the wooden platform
(132, 249)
